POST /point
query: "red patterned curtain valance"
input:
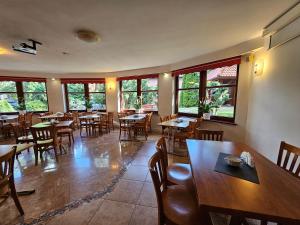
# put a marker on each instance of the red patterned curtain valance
(208, 66)
(28, 79)
(83, 81)
(138, 77)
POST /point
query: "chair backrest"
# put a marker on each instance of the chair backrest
(21, 118)
(20, 130)
(111, 116)
(211, 135)
(43, 133)
(28, 118)
(292, 154)
(161, 147)
(7, 167)
(157, 170)
(173, 116)
(150, 117)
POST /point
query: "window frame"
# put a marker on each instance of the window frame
(21, 95)
(86, 93)
(139, 90)
(202, 94)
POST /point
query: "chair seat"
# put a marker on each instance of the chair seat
(180, 205)
(64, 131)
(26, 138)
(180, 173)
(49, 141)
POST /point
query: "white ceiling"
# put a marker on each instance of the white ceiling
(135, 33)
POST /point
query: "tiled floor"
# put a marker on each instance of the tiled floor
(90, 168)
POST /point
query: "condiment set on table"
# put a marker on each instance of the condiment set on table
(235, 161)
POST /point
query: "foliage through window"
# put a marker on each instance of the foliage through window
(218, 86)
(16, 93)
(78, 94)
(139, 93)
(8, 97)
(35, 96)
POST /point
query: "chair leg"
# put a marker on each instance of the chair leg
(36, 156)
(55, 152)
(72, 137)
(69, 135)
(15, 196)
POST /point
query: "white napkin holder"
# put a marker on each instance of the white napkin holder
(248, 159)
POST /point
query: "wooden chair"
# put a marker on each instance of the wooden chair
(142, 127)
(22, 135)
(28, 119)
(291, 153)
(177, 173)
(97, 125)
(211, 135)
(7, 178)
(111, 120)
(66, 131)
(124, 126)
(150, 121)
(86, 124)
(44, 139)
(176, 204)
(164, 130)
(105, 123)
(173, 116)
(186, 133)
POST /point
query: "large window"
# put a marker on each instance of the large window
(8, 97)
(139, 93)
(79, 93)
(35, 96)
(31, 94)
(218, 86)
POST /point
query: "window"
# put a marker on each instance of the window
(217, 85)
(141, 91)
(23, 91)
(221, 88)
(35, 96)
(79, 92)
(188, 93)
(97, 96)
(8, 97)
(76, 96)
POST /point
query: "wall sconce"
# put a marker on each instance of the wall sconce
(258, 67)
(111, 84)
(166, 75)
(53, 79)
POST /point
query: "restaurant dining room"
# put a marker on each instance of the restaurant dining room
(174, 112)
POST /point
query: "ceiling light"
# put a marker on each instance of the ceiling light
(87, 36)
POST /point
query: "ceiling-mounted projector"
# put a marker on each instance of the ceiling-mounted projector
(26, 48)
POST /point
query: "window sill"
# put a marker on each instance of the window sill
(219, 121)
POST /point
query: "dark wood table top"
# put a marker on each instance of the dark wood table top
(4, 149)
(61, 124)
(276, 198)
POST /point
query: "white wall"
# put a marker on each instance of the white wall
(274, 102)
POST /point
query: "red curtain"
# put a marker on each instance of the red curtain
(83, 81)
(28, 79)
(208, 66)
(138, 77)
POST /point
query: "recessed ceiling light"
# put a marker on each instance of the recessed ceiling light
(87, 36)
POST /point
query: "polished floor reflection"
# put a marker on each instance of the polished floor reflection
(89, 166)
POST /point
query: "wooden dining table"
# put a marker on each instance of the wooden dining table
(276, 198)
(173, 125)
(60, 124)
